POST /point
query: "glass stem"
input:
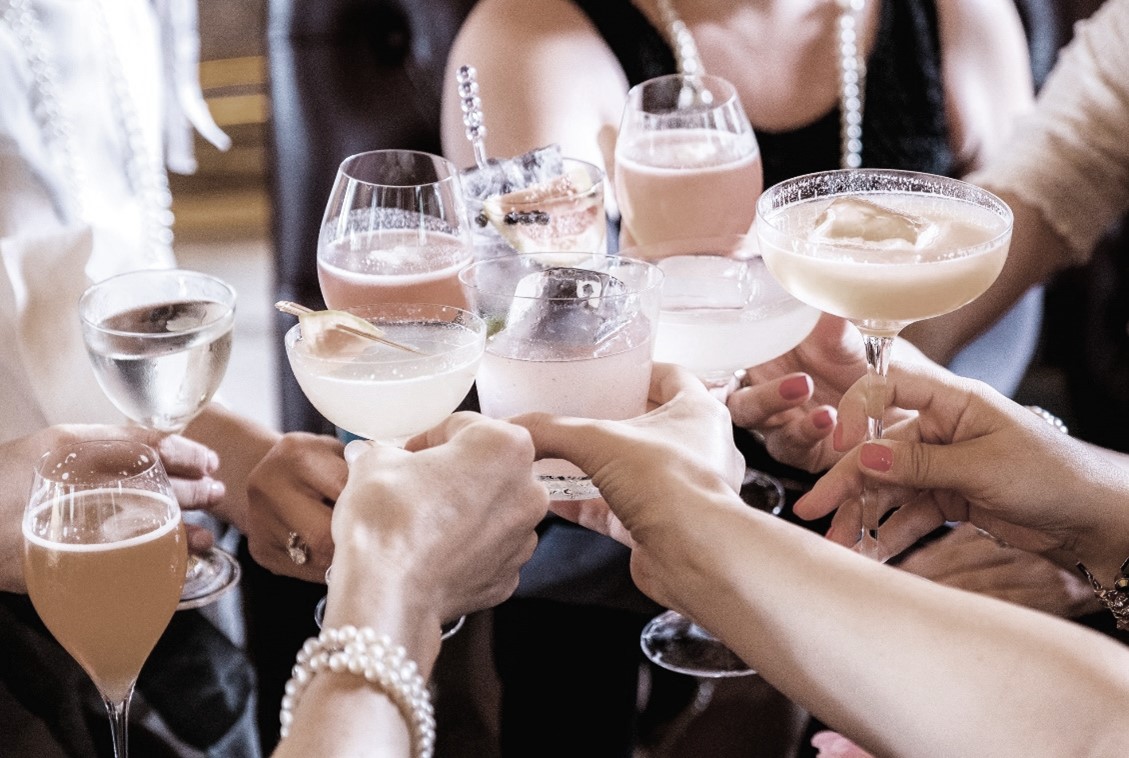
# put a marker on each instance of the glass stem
(878, 349)
(119, 716)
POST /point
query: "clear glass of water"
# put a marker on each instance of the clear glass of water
(159, 341)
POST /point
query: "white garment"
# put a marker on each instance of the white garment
(1070, 157)
(50, 247)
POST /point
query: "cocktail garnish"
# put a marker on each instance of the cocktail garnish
(337, 332)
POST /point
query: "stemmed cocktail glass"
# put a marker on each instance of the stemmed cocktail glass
(572, 338)
(105, 555)
(687, 164)
(159, 341)
(722, 311)
(395, 229)
(393, 388)
(882, 249)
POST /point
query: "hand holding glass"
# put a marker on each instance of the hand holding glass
(159, 341)
(105, 556)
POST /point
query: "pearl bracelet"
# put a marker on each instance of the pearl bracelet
(362, 652)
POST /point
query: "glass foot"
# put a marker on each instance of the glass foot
(446, 631)
(678, 644)
(210, 574)
(569, 487)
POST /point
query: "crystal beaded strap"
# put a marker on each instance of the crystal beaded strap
(852, 71)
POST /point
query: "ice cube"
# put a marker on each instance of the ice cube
(503, 175)
(573, 308)
(706, 281)
(852, 220)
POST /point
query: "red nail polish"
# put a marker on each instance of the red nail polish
(877, 457)
(794, 388)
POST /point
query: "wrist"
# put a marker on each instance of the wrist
(388, 603)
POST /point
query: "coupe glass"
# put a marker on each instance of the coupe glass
(687, 164)
(569, 335)
(882, 249)
(159, 341)
(395, 230)
(721, 311)
(384, 393)
(105, 556)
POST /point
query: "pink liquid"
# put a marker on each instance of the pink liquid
(393, 266)
(680, 183)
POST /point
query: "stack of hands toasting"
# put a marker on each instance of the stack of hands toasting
(440, 528)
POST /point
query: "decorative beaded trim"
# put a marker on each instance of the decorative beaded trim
(1058, 424)
(362, 652)
(1116, 598)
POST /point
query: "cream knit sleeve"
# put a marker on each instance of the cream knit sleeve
(1070, 155)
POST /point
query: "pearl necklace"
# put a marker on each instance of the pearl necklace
(147, 178)
(852, 71)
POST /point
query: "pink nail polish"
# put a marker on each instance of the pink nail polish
(794, 388)
(877, 457)
(822, 419)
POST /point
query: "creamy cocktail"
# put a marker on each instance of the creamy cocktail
(380, 391)
(883, 249)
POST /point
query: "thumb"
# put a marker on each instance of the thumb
(917, 465)
(580, 441)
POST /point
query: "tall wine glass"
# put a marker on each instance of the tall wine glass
(159, 341)
(687, 164)
(395, 229)
(882, 249)
(385, 393)
(105, 556)
(721, 311)
(574, 339)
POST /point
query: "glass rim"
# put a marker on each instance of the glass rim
(228, 302)
(767, 210)
(654, 273)
(61, 452)
(472, 322)
(448, 167)
(711, 80)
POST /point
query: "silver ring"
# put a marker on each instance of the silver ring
(298, 549)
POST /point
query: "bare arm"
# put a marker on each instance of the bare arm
(544, 74)
(891, 660)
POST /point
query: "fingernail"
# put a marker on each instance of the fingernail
(794, 387)
(822, 419)
(217, 489)
(876, 456)
(213, 461)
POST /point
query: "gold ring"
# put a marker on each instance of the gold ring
(298, 549)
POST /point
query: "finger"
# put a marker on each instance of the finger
(920, 465)
(200, 539)
(446, 430)
(184, 457)
(795, 440)
(668, 380)
(752, 406)
(194, 494)
(574, 439)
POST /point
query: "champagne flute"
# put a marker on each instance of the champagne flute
(395, 229)
(571, 337)
(721, 311)
(105, 555)
(159, 341)
(687, 164)
(882, 249)
(377, 390)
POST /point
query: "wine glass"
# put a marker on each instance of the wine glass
(395, 229)
(105, 555)
(721, 311)
(571, 337)
(687, 164)
(159, 341)
(381, 391)
(882, 249)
